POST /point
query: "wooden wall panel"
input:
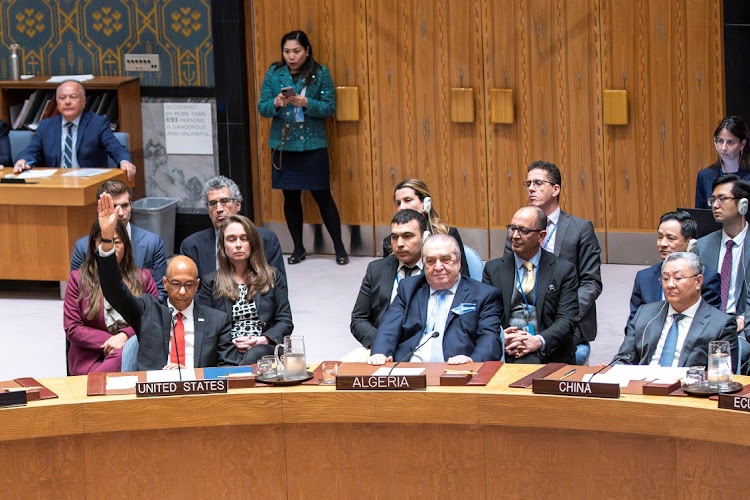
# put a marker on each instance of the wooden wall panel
(548, 54)
(668, 55)
(419, 50)
(336, 29)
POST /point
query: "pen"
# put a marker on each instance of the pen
(571, 372)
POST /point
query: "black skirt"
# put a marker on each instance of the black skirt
(301, 170)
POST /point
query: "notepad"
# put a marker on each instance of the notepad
(36, 174)
(120, 383)
(86, 172)
(399, 372)
(169, 375)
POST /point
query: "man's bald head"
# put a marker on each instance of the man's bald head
(183, 264)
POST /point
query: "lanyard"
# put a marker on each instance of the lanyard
(549, 236)
(527, 308)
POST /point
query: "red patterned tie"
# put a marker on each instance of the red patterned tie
(179, 340)
(726, 274)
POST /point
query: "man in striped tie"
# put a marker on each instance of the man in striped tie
(677, 330)
(75, 138)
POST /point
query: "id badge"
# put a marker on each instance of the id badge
(529, 329)
(299, 115)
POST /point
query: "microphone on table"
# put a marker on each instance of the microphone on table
(625, 358)
(174, 341)
(433, 336)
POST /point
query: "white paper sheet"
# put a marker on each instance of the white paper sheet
(124, 382)
(36, 174)
(86, 172)
(401, 372)
(623, 374)
(65, 78)
(169, 375)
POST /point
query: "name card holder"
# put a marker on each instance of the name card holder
(181, 388)
(735, 402)
(380, 382)
(575, 388)
(12, 398)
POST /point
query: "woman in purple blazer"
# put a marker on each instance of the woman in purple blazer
(96, 331)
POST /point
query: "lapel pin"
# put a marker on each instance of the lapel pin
(550, 288)
(200, 319)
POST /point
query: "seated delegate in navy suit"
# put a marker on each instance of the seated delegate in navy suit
(148, 249)
(730, 140)
(676, 230)
(652, 337)
(251, 293)
(178, 333)
(75, 138)
(440, 315)
(223, 198)
(5, 155)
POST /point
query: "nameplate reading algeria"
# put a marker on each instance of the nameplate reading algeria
(180, 388)
(380, 382)
(732, 402)
(575, 388)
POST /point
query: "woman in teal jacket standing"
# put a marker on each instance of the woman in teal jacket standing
(298, 94)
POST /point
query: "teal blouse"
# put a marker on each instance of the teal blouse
(321, 103)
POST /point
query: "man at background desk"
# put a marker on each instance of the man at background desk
(676, 332)
(75, 138)
(440, 316)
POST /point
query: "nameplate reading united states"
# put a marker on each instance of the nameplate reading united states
(180, 388)
(732, 402)
(575, 388)
(380, 382)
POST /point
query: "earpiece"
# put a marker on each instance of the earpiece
(742, 206)
(425, 235)
(427, 205)
(692, 244)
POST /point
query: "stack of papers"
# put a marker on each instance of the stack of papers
(86, 172)
(36, 174)
(623, 374)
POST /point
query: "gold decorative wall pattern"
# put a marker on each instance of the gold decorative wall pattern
(91, 36)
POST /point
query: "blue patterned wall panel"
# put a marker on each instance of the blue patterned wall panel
(91, 36)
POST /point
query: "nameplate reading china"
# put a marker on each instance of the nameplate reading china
(732, 402)
(575, 388)
(380, 382)
(180, 388)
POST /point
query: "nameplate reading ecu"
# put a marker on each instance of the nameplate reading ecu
(181, 388)
(380, 382)
(575, 388)
(731, 402)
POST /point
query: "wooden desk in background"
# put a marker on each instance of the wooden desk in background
(306, 441)
(40, 223)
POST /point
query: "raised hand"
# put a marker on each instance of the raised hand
(108, 215)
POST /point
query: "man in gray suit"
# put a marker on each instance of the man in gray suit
(569, 238)
(380, 283)
(677, 330)
(179, 333)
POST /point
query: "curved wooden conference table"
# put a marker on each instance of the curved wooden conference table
(449, 442)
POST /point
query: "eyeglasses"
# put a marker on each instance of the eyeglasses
(521, 230)
(536, 182)
(677, 279)
(225, 202)
(189, 286)
(720, 199)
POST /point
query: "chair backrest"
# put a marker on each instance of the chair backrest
(476, 265)
(19, 139)
(124, 139)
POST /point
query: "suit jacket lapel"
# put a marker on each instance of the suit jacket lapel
(653, 333)
(166, 323)
(423, 296)
(82, 124)
(56, 141)
(739, 284)
(543, 280)
(713, 249)
(508, 282)
(388, 278)
(694, 332)
(562, 227)
(653, 284)
(198, 329)
(136, 237)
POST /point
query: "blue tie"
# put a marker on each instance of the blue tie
(437, 343)
(670, 345)
(67, 160)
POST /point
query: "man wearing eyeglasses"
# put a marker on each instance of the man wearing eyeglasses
(570, 238)
(676, 331)
(539, 299)
(178, 333)
(222, 198)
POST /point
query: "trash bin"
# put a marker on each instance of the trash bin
(158, 216)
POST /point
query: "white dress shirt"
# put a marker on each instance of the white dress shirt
(682, 330)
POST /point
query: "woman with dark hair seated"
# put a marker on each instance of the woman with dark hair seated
(252, 293)
(730, 140)
(414, 194)
(96, 331)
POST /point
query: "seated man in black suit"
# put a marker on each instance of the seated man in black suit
(440, 316)
(148, 248)
(381, 280)
(676, 332)
(179, 332)
(75, 138)
(676, 231)
(223, 198)
(539, 297)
